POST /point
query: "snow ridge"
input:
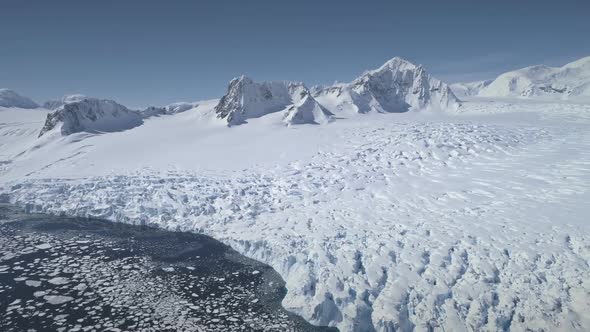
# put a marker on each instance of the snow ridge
(90, 115)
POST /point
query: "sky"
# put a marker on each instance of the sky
(148, 52)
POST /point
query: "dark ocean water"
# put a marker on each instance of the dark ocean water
(78, 274)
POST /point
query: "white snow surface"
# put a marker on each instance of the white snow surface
(9, 98)
(570, 82)
(469, 220)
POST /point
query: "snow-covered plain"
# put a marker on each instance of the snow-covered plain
(472, 220)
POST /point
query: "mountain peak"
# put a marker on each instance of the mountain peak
(241, 78)
(397, 63)
(397, 86)
(73, 98)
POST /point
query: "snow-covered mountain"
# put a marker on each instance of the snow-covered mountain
(55, 104)
(571, 81)
(397, 86)
(469, 89)
(9, 98)
(90, 115)
(246, 99)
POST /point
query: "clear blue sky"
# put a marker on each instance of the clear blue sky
(155, 52)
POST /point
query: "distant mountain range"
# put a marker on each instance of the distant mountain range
(395, 87)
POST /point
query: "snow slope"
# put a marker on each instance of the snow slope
(571, 81)
(470, 221)
(397, 86)
(90, 115)
(246, 99)
(9, 98)
(19, 129)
